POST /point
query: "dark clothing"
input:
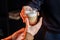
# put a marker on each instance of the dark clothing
(40, 34)
(50, 10)
(51, 36)
(51, 13)
(43, 34)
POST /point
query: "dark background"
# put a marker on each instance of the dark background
(9, 26)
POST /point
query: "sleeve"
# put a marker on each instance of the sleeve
(36, 4)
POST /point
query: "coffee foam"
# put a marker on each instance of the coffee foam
(31, 13)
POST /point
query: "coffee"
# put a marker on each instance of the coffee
(32, 16)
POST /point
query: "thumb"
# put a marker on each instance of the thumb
(40, 22)
(27, 22)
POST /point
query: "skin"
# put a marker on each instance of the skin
(38, 25)
(19, 35)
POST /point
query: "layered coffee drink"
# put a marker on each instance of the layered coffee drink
(32, 16)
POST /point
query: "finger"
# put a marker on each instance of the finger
(27, 22)
(18, 32)
(14, 34)
(37, 26)
(22, 14)
(38, 13)
(40, 22)
(20, 37)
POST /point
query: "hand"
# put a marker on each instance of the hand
(31, 29)
(34, 29)
(20, 37)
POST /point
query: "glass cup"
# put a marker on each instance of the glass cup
(32, 16)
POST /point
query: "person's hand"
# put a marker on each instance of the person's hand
(20, 37)
(31, 29)
(34, 29)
